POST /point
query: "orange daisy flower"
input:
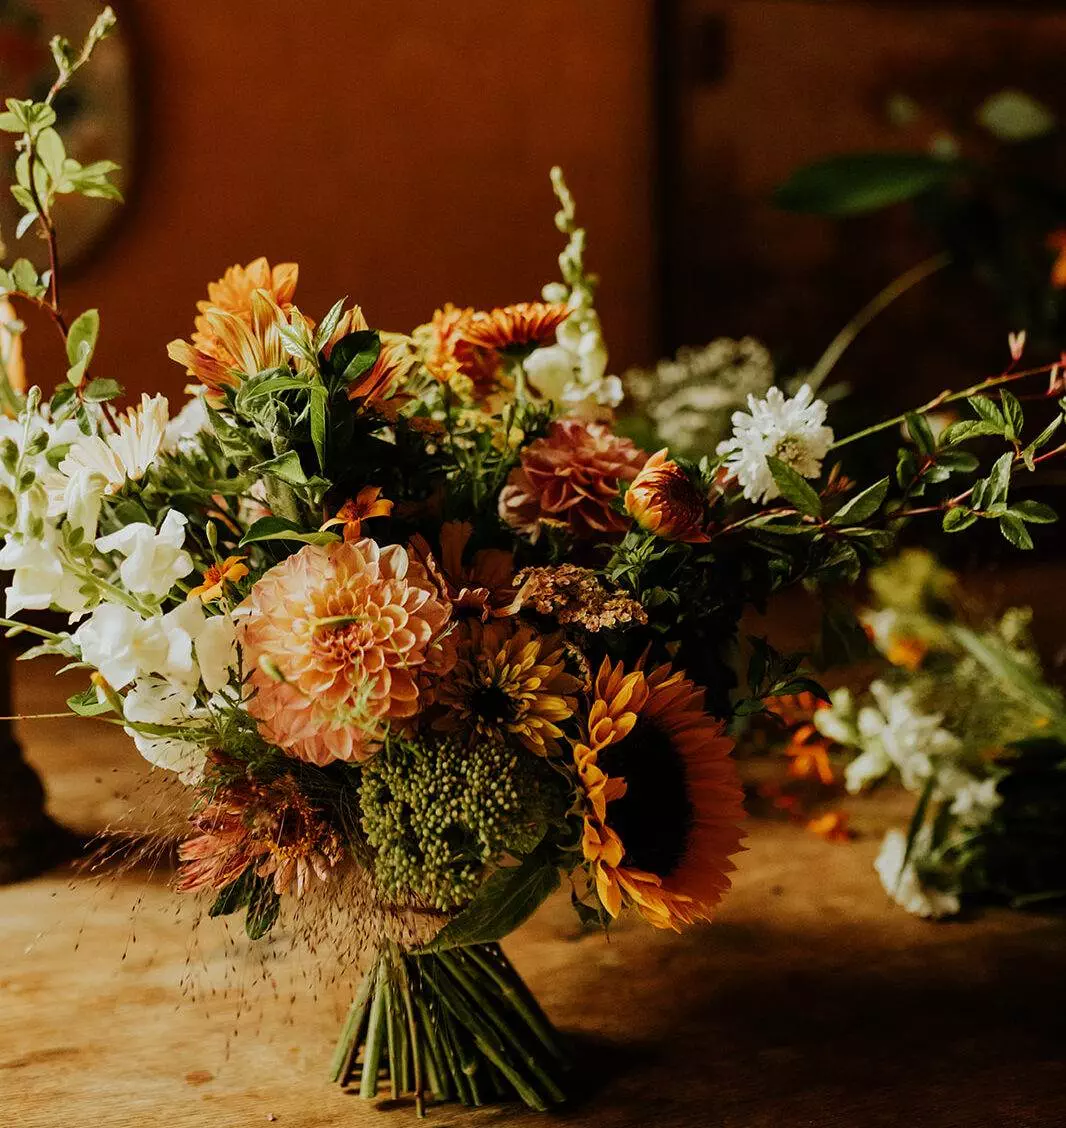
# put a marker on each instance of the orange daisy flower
(519, 327)
(662, 795)
(450, 355)
(232, 293)
(229, 571)
(663, 500)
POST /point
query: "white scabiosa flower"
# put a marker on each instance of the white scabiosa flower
(153, 701)
(154, 561)
(792, 430)
(904, 884)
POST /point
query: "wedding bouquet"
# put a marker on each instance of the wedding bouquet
(424, 636)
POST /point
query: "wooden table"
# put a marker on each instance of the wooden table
(811, 1002)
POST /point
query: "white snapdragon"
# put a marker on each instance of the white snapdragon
(153, 701)
(153, 561)
(216, 651)
(124, 645)
(791, 430)
(903, 883)
(40, 580)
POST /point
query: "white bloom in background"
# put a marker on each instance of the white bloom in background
(40, 580)
(835, 722)
(909, 738)
(975, 800)
(792, 430)
(882, 626)
(156, 702)
(126, 454)
(551, 370)
(187, 424)
(216, 651)
(78, 498)
(866, 769)
(124, 645)
(154, 561)
(903, 882)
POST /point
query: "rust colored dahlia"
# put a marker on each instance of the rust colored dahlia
(570, 478)
(519, 327)
(269, 825)
(483, 586)
(338, 639)
(662, 796)
(663, 500)
(509, 683)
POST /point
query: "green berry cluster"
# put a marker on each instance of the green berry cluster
(439, 811)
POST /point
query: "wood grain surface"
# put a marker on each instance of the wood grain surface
(811, 1002)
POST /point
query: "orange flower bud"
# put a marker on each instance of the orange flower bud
(663, 500)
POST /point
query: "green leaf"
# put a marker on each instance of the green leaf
(1035, 512)
(1029, 454)
(319, 395)
(1016, 532)
(279, 528)
(921, 433)
(999, 479)
(87, 703)
(81, 339)
(263, 907)
(1012, 412)
(862, 506)
(968, 429)
(287, 467)
(989, 413)
(99, 391)
(958, 518)
(328, 324)
(862, 182)
(507, 898)
(355, 354)
(24, 276)
(794, 488)
(906, 468)
(234, 896)
(960, 461)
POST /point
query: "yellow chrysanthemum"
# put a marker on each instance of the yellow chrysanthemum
(510, 683)
(662, 796)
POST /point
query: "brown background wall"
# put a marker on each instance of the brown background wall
(398, 151)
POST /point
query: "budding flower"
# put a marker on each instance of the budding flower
(663, 500)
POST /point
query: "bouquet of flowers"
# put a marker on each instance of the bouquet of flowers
(421, 633)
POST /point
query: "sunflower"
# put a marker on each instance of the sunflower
(662, 796)
(509, 682)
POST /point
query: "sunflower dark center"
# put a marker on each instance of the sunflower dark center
(492, 703)
(654, 817)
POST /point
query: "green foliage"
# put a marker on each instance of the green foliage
(862, 182)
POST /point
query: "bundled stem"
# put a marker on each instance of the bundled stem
(459, 1025)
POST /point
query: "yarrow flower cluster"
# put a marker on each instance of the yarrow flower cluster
(413, 617)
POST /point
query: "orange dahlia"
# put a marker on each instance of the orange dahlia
(664, 501)
(570, 478)
(662, 796)
(483, 586)
(509, 683)
(338, 640)
(519, 327)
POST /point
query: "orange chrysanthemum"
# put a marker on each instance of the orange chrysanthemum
(228, 571)
(338, 639)
(663, 500)
(232, 293)
(509, 683)
(662, 794)
(570, 478)
(451, 355)
(519, 327)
